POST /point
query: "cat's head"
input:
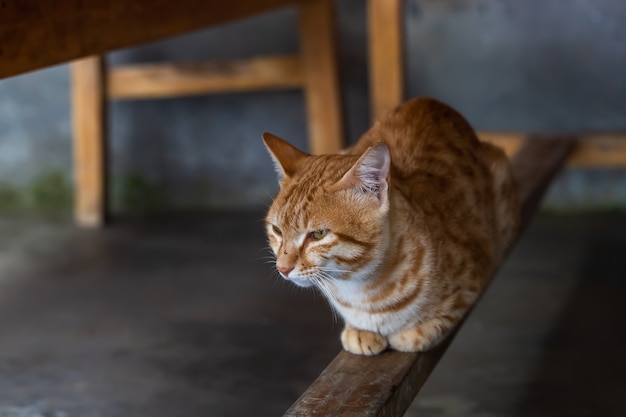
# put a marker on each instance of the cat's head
(329, 219)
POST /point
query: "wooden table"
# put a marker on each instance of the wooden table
(36, 34)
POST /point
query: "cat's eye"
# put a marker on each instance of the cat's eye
(277, 230)
(318, 234)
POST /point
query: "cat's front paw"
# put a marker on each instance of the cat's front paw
(421, 338)
(362, 342)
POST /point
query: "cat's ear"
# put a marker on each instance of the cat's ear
(287, 158)
(370, 174)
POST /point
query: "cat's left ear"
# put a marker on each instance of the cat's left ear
(370, 174)
(287, 158)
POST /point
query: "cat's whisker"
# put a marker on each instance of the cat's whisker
(327, 276)
(266, 249)
(328, 294)
(326, 268)
(266, 257)
(330, 268)
(340, 271)
(268, 260)
(327, 282)
(269, 254)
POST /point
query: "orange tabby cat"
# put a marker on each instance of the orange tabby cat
(401, 232)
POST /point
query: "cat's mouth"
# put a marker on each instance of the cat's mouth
(299, 281)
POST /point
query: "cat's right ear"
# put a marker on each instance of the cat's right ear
(287, 158)
(369, 176)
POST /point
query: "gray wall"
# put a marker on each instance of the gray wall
(539, 65)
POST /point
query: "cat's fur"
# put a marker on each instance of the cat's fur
(401, 232)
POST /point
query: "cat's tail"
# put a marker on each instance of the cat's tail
(507, 208)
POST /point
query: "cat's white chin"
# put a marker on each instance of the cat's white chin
(300, 282)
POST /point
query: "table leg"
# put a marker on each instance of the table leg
(89, 124)
(386, 53)
(318, 43)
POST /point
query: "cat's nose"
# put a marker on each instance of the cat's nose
(284, 269)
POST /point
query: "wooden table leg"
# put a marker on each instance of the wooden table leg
(89, 124)
(318, 43)
(386, 53)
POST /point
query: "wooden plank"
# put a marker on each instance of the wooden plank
(385, 385)
(538, 160)
(605, 150)
(35, 34)
(89, 125)
(386, 54)
(318, 51)
(176, 79)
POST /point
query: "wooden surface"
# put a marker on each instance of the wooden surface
(89, 125)
(318, 51)
(386, 54)
(170, 79)
(35, 34)
(599, 150)
(385, 385)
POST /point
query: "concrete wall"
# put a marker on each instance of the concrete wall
(540, 65)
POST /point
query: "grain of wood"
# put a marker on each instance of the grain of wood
(149, 81)
(386, 54)
(89, 129)
(318, 51)
(35, 34)
(385, 385)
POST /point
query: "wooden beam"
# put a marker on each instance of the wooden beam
(593, 150)
(385, 385)
(386, 54)
(89, 125)
(320, 66)
(534, 166)
(172, 79)
(35, 34)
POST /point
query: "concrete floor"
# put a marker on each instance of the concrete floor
(185, 318)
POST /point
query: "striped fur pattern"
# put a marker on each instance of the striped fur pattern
(401, 231)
